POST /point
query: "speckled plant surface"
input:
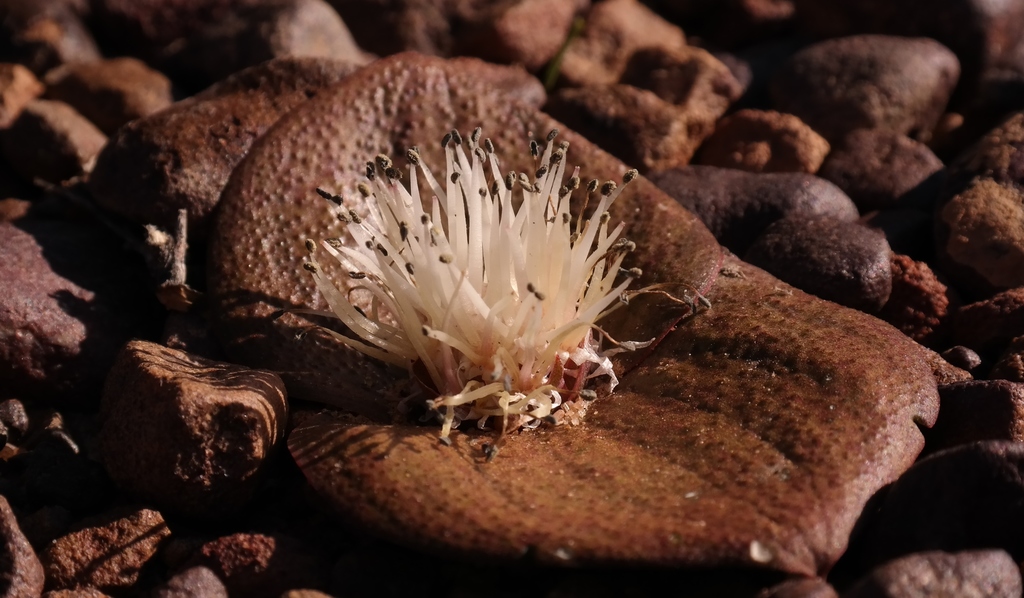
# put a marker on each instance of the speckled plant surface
(752, 434)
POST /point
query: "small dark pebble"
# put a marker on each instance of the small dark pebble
(962, 357)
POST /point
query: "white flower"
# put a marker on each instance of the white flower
(492, 285)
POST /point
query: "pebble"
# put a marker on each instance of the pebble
(18, 87)
(68, 310)
(989, 573)
(764, 141)
(962, 357)
(844, 262)
(814, 587)
(14, 418)
(976, 30)
(110, 92)
(189, 434)
(263, 566)
(51, 141)
(615, 30)
(883, 170)
(21, 573)
(956, 499)
(43, 34)
(635, 125)
(737, 206)
(688, 77)
(182, 157)
(1010, 365)
(978, 410)
(195, 582)
(868, 81)
(526, 32)
(919, 304)
(255, 33)
(987, 326)
(106, 552)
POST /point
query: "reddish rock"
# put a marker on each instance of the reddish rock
(1010, 365)
(689, 77)
(12, 209)
(252, 34)
(52, 141)
(106, 552)
(987, 326)
(263, 566)
(868, 81)
(110, 92)
(14, 418)
(186, 433)
(919, 304)
(43, 34)
(526, 32)
(21, 574)
(991, 573)
(840, 261)
(737, 206)
(76, 593)
(70, 297)
(978, 410)
(18, 87)
(764, 141)
(182, 157)
(615, 30)
(635, 125)
(196, 582)
(882, 170)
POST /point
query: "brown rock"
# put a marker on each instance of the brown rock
(980, 32)
(18, 87)
(688, 77)
(107, 552)
(14, 418)
(196, 582)
(919, 304)
(764, 141)
(737, 206)
(800, 588)
(186, 433)
(840, 261)
(21, 574)
(70, 298)
(961, 357)
(526, 32)
(970, 573)
(252, 34)
(615, 30)
(110, 92)
(76, 593)
(263, 566)
(999, 156)
(987, 326)
(973, 491)
(980, 241)
(13, 209)
(868, 81)
(635, 125)
(182, 157)
(52, 141)
(1011, 365)
(978, 410)
(143, 27)
(882, 170)
(43, 34)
